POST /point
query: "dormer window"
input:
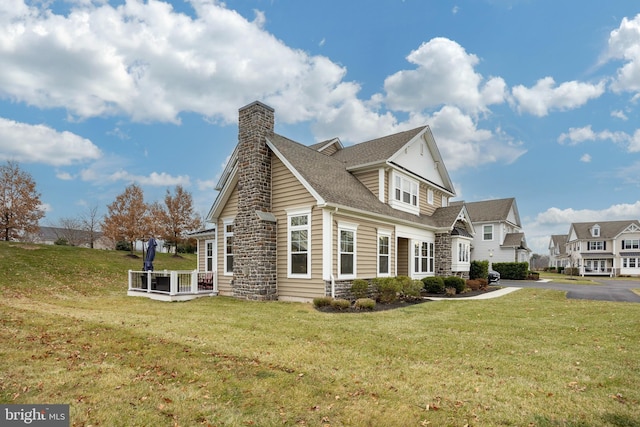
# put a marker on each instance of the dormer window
(595, 231)
(404, 195)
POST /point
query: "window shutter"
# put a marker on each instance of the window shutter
(622, 245)
(605, 245)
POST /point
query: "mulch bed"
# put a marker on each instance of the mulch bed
(401, 304)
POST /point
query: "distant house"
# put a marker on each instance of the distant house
(609, 248)
(558, 257)
(499, 236)
(295, 222)
(82, 238)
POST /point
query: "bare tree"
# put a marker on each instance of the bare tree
(90, 224)
(177, 217)
(127, 219)
(20, 206)
(69, 230)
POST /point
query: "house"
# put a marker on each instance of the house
(295, 222)
(558, 257)
(604, 248)
(499, 236)
(82, 238)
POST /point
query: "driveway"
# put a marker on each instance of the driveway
(605, 290)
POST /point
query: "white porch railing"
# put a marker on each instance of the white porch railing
(173, 282)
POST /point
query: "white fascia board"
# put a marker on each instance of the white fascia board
(223, 195)
(294, 171)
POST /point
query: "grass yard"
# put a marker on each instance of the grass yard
(69, 334)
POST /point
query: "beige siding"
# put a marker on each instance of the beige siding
(229, 211)
(288, 193)
(370, 179)
(403, 257)
(366, 245)
(425, 207)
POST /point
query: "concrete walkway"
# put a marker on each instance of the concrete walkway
(492, 294)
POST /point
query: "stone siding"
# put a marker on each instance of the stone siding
(443, 254)
(254, 236)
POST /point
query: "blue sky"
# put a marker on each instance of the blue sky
(536, 100)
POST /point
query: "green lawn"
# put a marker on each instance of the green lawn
(69, 334)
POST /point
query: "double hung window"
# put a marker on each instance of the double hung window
(299, 235)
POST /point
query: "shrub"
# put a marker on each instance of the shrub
(365, 304)
(123, 246)
(61, 241)
(450, 292)
(455, 282)
(411, 289)
(512, 270)
(359, 288)
(322, 302)
(340, 304)
(473, 284)
(433, 284)
(533, 275)
(479, 270)
(387, 289)
(484, 284)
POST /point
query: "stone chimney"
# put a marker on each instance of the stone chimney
(254, 230)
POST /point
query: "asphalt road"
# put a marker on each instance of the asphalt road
(605, 290)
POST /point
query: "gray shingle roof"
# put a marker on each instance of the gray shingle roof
(514, 240)
(330, 179)
(376, 150)
(492, 210)
(608, 229)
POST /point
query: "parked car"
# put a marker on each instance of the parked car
(494, 276)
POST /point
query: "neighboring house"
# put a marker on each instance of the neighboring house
(82, 238)
(295, 222)
(499, 236)
(558, 257)
(605, 247)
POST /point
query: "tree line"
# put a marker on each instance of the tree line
(129, 218)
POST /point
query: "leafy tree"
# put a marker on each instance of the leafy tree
(176, 218)
(20, 206)
(127, 218)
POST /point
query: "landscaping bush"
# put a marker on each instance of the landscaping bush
(410, 288)
(340, 304)
(479, 270)
(322, 302)
(484, 284)
(450, 292)
(433, 284)
(365, 304)
(360, 288)
(512, 270)
(474, 284)
(533, 275)
(458, 283)
(387, 289)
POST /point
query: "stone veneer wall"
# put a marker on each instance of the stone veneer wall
(443, 254)
(254, 237)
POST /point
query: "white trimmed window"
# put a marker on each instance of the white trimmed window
(445, 201)
(487, 232)
(596, 246)
(631, 244)
(299, 236)
(404, 195)
(384, 253)
(209, 255)
(463, 252)
(347, 250)
(430, 196)
(228, 247)
(423, 259)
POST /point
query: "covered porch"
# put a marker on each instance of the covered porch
(172, 285)
(601, 266)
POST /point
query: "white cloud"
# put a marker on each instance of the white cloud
(624, 44)
(545, 96)
(41, 144)
(432, 84)
(149, 62)
(586, 158)
(619, 114)
(154, 179)
(576, 136)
